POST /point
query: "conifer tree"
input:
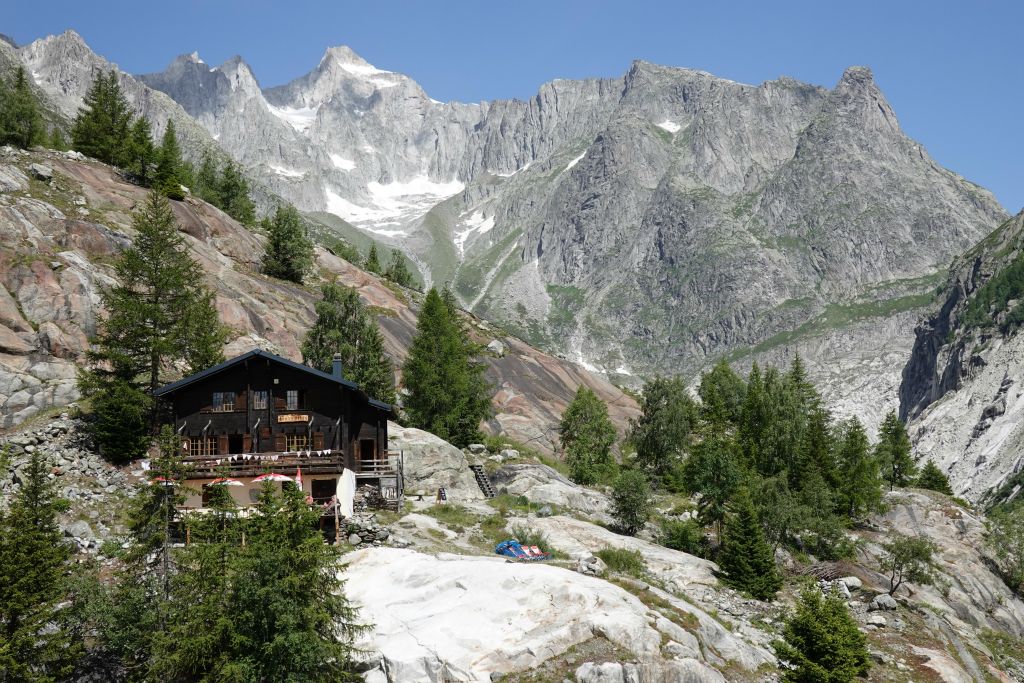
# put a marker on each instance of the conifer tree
(746, 558)
(713, 472)
(343, 326)
(397, 271)
(233, 190)
(101, 129)
(169, 167)
(160, 312)
(448, 393)
(289, 252)
(207, 182)
(372, 264)
(587, 435)
(661, 435)
(893, 452)
(35, 644)
(21, 123)
(721, 393)
(933, 479)
(860, 490)
(631, 501)
(821, 642)
(143, 156)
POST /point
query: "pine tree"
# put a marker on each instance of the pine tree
(101, 129)
(143, 155)
(822, 643)
(746, 558)
(160, 312)
(933, 479)
(722, 392)
(207, 182)
(343, 326)
(233, 190)
(713, 472)
(21, 123)
(397, 271)
(587, 435)
(860, 489)
(448, 394)
(289, 252)
(893, 452)
(662, 433)
(169, 167)
(35, 644)
(372, 264)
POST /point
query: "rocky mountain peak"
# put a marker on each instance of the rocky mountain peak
(240, 76)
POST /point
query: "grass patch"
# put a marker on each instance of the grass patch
(453, 516)
(506, 502)
(1007, 650)
(623, 561)
(528, 536)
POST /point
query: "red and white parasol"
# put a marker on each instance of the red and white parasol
(225, 481)
(271, 476)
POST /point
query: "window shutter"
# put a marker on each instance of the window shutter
(280, 403)
(247, 443)
(279, 442)
(240, 400)
(264, 432)
(222, 444)
(318, 440)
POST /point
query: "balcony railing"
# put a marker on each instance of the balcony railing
(325, 461)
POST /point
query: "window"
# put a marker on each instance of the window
(296, 442)
(259, 400)
(223, 401)
(202, 446)
(293, 399)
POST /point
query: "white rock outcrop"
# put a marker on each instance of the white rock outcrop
(430, 463)
(545, 486)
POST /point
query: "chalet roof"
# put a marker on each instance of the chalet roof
(260, 353)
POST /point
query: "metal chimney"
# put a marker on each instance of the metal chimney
(338, 369)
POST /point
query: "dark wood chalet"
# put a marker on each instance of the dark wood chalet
(260, 413)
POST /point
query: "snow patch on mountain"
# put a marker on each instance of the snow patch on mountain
(298, 118)
(286, 172)
(475, 223)
(342, 163)
(398, 203)
(670, 126)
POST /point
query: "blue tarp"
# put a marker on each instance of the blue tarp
(513, 548)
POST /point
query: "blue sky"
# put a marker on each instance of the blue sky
(954, 71)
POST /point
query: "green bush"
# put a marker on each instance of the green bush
(821, 642)
(631, 501)
(684, 535)
(623, 561)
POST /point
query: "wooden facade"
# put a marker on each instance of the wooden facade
(260, 413)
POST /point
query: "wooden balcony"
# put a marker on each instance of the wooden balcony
(311, 462)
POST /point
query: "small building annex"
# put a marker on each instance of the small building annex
(259, 414)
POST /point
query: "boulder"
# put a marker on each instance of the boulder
(851, 582)
(543, 485)
(497, 348)
(41, 172)
(876, 619)
(477, 448)
(591, 566)
(882, 602)
(12, 179)
(683, 671)
(430, 463)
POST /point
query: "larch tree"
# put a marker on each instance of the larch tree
(893, 452)
(448, 393)
(233, 191)
(746, 557)
(860, 491)
(713, 473)
(143, 155)
(372, 263)
(933, 479)
(289, 251)
(721, 393)
(21, 123)
(169, 166)
(397, 271)
(344, 326)
(631, 501)
(160, 313)
(661, 434)
(102, 126)
(587, 435)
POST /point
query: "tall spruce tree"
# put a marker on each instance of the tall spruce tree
(372, 263)
(160, 313)
(661, 435)
(21, 123)
(289, 251)
(35, 643)
(448, 393)
(893, 452)
(168, 176)
(207, 182)
(721, 393)
(746, 558)
(397, 271)
(101, 129)
(860, 490)
(344, 326)
(587, 435)
(143, 155)
(233, 190)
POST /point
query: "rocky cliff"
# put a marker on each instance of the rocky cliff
(961, 385)
(60, 234)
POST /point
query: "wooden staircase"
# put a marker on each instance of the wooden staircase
(483, 481)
